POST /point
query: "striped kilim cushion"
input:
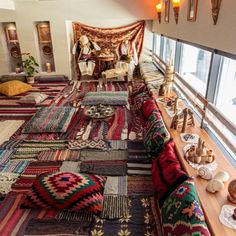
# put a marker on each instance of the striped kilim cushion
(50, 119)
(107, 98)
(66, 190)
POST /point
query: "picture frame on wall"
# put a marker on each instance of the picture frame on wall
(167, 10)
(11, 35)
(44, 33)
(192, 10)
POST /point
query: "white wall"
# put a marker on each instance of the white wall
(100, 13)
(221, 36)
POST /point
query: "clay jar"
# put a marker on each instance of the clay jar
(232, 191)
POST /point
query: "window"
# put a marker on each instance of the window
(194, 67)
(225, 99)
(158, 44)
(169, 50)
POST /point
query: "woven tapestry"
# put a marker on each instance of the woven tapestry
(111, 38)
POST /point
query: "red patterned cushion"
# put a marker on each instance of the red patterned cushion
(138, 88)
(139, 99)
(148, 107)
(166, 173)
(182, 214)
(65, 190)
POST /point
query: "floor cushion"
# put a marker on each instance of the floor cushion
(67, 190)
(10, 77)
(14, 87)
(33, 98)
(106, 98)
(51, 78)
(155, 134)
(52, 119)
(167, 174)
(148, 107)
(182, 214)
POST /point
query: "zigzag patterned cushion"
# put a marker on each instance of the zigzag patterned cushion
(50, 119)
(182, 213)
(66, 190)
(156, 135)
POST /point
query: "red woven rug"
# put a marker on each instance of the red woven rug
(10, 109)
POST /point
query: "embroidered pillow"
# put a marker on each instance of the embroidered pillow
(33, 98)
(148, 107)
(167, 174)
(182, 213)
(66, 190)
(14, 87)
(155, 135)
(52, 119)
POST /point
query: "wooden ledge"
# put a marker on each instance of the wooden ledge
(211, 203)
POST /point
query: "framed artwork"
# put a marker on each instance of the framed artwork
(11, 35)
(192, 10)
(167, 10)
(44, 33)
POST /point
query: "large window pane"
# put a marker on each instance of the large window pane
(194, 67)
(169, 50)
(226, 96)
(158, 44)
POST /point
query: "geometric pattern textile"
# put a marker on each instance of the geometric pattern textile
(156, 134)
(80, 144)
(182, 213)
(65, 190)
(50, 119)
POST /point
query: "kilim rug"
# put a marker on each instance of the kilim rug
(116, 185)
(116, 86)
(11, 109)
(134, 168)
(117, 144)
(11, 144)
(37, 168)
(59, 155)
(140, 185)
(31, 149)
(112, 168)
(5, 156)
(57, 227)
(138, 221)
(70, 166)
(25, 181)
(14, 166)
(94, 155)
(14, 220)
(114, 128)
(137, 153)
(114, 207)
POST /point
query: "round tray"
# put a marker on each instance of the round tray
(95, 110)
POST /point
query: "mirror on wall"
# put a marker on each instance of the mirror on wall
(45, 46)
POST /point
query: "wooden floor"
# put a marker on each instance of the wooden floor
(8, 128)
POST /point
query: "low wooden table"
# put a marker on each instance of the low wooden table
(105, 59)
